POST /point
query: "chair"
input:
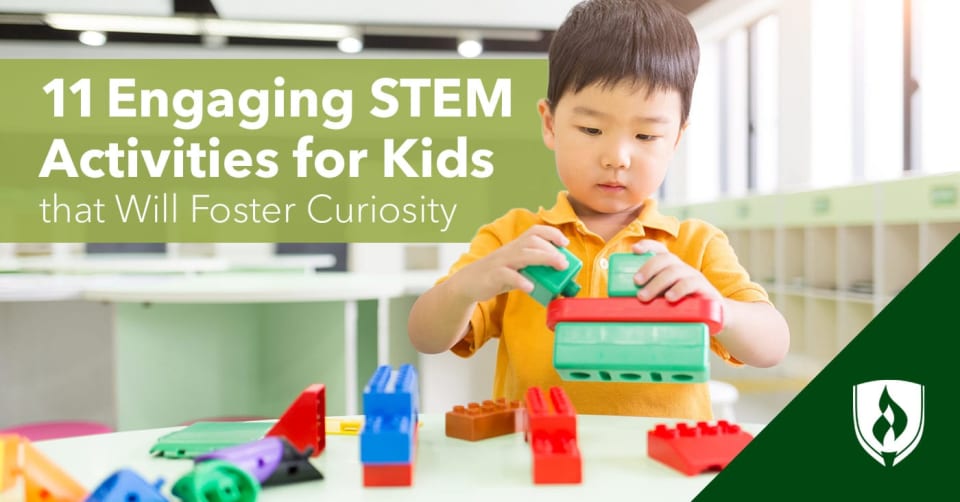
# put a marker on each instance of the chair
(39, 431)
(723, 397)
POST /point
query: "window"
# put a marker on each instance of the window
(735, 113)
(936, 104)
(878, 66)
(763, 162)
(701, 174)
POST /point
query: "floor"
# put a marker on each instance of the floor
(763, 393)
(761, 407)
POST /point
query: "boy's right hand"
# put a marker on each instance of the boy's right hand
(498, 272)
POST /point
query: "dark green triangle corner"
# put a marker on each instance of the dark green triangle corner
(810, 451)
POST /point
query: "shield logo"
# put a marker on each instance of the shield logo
(888, 418)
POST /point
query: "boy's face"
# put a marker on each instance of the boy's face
(612, 144)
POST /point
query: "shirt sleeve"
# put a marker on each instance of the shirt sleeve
(722, 268)
(486, 321)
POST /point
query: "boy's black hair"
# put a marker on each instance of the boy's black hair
(645, 42)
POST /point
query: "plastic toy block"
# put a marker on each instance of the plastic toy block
(392, 392)
(552, 433)
(542, 418)
(623, 266)
(477, 421)
(556, 460)
(387, 475)
(9, 460)
(126, 485)
(698, 448)
(204, 437)
(549, 283)
(216, 481)
(388, 439)
(302, 424)
(343, 427)
(632, 352)
(693, 308)
(272, 461)
(44, 481)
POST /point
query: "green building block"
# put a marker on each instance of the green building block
(632, 352)
(623, 266)
(204, 437)
(216, 481)
(549, 283)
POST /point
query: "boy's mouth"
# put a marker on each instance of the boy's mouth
(611, 187)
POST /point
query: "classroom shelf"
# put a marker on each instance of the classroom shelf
(832, 259)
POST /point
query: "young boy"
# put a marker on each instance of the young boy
(620, 84)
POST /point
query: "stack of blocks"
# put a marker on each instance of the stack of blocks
(388, 439)
(620, 339)
(551, 430)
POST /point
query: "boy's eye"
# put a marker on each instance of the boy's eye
(592, 131)
(646, 137)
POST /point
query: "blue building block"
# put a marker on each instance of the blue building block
(392, 392)
(126, 485)
(391, 406)
(388, 440)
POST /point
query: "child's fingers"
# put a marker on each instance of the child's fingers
(535, 255)
(660, 283)
(550, 234)
(652, 267)
(649, 246)
(520, 282)
(682, 288)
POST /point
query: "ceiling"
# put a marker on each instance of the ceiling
(415, 20)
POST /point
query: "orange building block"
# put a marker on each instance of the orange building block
(485, 420)
(44, 481)
(9, 461)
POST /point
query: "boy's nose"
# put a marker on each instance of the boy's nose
(616, 156)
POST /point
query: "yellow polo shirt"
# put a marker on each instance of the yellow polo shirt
(525, 353)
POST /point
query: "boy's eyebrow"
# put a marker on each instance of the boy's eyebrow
(583, 110)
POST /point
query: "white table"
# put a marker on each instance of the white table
(139, 263)
(235, 288)
(615, 466)
(278, 288)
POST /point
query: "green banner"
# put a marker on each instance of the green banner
(268, 150)
(874, 424)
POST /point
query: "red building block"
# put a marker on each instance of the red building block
(542, 418)
(556, 460)
(699, 448)
(693, 308)
(552, 433)
(485, 420)
(387, 475)
(303, 422)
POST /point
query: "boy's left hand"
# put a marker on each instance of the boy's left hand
(667, 275)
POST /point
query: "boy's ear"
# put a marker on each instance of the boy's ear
(546, 122)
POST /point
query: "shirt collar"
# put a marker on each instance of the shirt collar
(649, 217)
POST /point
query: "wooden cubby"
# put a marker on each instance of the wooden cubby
(832, 259)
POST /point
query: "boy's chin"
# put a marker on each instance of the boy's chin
(613, 209)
